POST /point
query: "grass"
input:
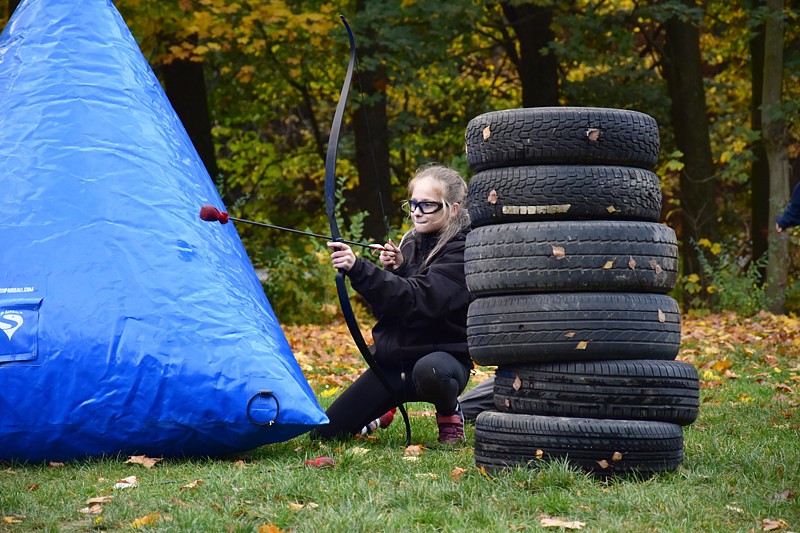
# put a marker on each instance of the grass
(741, 473)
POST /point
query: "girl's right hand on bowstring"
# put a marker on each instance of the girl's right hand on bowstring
(391, 257)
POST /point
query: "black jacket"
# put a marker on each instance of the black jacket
(419, 309)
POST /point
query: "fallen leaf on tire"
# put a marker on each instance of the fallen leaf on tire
(492, 198)
(486, 133)
(603, 463)
(569, 334)
(593, 134)
(616, 457)
(661, 316)
(655, 266)
(632, 263)
(582, 345)
(517, 383)
(611, 209)
(539, 454)
(609, 264)
(508, 402)
(550, 521)
(558, 252)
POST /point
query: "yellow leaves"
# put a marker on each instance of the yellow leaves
(14, 519)
(715, 248)
(147, 520)
(609, 264)
(269, 528)
(295, 506)
(582, 345)
(192, 485)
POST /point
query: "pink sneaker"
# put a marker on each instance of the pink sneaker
(451, 428)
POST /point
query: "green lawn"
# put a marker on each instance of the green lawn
(741, 471)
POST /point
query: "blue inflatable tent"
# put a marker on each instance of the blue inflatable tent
(128, 325)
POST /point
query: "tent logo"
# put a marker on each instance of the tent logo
(10, 321)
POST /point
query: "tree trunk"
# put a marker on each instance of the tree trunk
(775, 141)
(186, 89)
(538, 71)
(759, 170)
(371, 126)
(683, 72)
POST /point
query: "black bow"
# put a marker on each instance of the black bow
(330, 207)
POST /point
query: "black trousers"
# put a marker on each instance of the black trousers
(437, 378)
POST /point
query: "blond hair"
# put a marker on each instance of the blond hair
(453, 189)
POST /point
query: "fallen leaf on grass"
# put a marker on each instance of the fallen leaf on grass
(785, 495)
(414, 449)
(269, 528)
(295, 506)
(358, 450)
(147, 462)
(32, 487)
(456, 473)
(482, 470)
(92, 509)
(126, 483)
(321, 462)
(55, 465)
(427, 475)
(192, 485)
(769, 524)
(148, 520)
(13, 519)
(549, 521)
(734, 509)
(99, 499)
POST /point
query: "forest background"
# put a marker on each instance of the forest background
(256, 83)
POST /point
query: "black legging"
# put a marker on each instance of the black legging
(437, 378)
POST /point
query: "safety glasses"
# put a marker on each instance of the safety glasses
(425, 207)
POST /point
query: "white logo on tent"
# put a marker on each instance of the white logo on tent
(10, 316)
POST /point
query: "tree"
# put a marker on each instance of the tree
(775, 134)
(682, 68)
(759, 170)
(536, 63)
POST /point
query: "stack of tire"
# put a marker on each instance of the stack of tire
(570, 268)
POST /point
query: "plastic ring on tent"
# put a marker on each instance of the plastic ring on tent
(262, 394)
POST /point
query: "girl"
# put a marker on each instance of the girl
(420, 298)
